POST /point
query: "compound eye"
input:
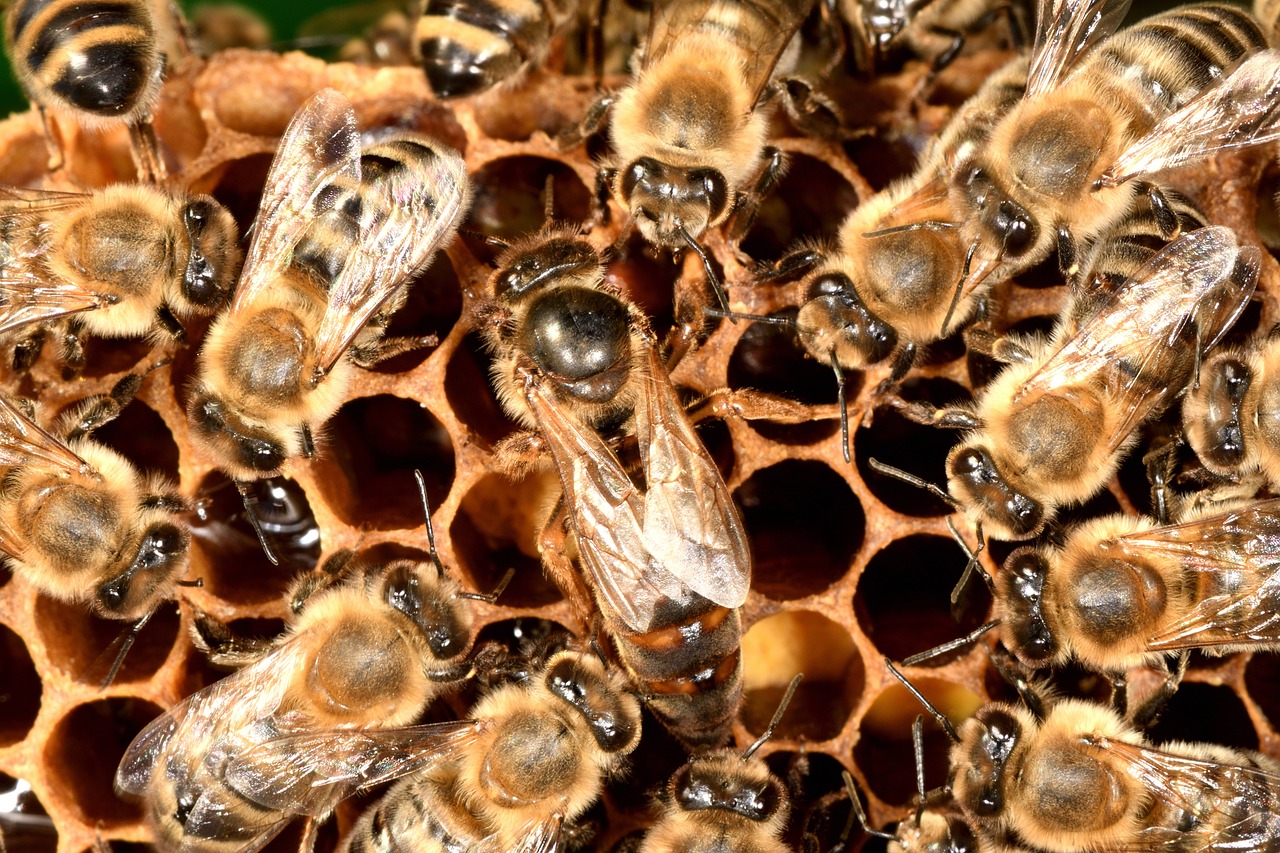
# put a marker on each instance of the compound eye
(638, 172)
(716, 189)
(261, 455)
(113, 594)
(1015, 227)
(829, 284)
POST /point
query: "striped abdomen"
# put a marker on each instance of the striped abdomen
(413, 815)
(690, 663)
(1131, 243)
(97, 57)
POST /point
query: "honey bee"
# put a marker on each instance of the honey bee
(721, 800)
(1230, 418)
(79, 522)
(668, 563)
(338, 235)
(537, 759)
(369, 648)
(928, 28)
(468, 46)
(1052, 427)
(691, 130)
(118, 262)
(1100, 115)
(102, 64)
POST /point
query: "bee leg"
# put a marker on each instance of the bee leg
(1013, 672)
(308, 441)
(558, 566)
(221, 647)
(591, 123)
(930, 415)
(949, 53)
(72, 353)
(371, 354)
(813, 113)
(749, 405)
(98, 411)
(789, 267)
(27, 350)
(1166, 217)
(52, 141)
(1148, 713)
(170, 324)
(774, 163)
(604, 191)
(1000, 347)
(832, 21)
(146, 153)
(1119, 693)
(1159, 462)
(1068, 256)
(519, 452)
(332, 572)
(1013, 19)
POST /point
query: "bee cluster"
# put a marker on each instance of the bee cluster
(665, 391)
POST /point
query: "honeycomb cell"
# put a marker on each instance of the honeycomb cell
(819, 801)
(646, 279)
(496, 530)
(106, 356)
(915, 448)
(374, 445)
(804, 524)
(25, 827)
(83, 751)
(142, 437)
(884, 750)
(84, 647)
(1262, 682)
(653, 764)
(433, 305)
(1193, 704)
(768, 357)
(390, 116)
(903, 600)
(775, 649)
(226, 552)
(240, 188)
(20, 690)
(509, 198)
(810, 204)
(470, 395)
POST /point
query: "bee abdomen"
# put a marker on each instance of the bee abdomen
(467, 46)
(1134, 241)
(98, 57)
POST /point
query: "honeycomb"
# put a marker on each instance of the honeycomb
(850, 566)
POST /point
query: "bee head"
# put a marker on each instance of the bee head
(612, 715)
(1020, 589)
(580, 337)
(725, 782)
(673, 205)
(1011, 225)
(974, 479)
(834, 319)
(987, 743)
(523, 271)
(161, 556)
(247, 451)
(1214, 419)
(213, 255)
(413, 589)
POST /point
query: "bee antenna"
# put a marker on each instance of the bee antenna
(777, 717)
(126, 643)
(970, 567)
(950, 645)
(250, 512)
(955, 297)
(855, 811)
(843, 403)
(712, 278)
(197, 583)
(898, 474)
(549, 197)
(426, 517)
(928, 706)
(595, 641)
(751, 318)
(917, 746)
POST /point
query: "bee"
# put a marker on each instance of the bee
(117, 262)
(538, 758)
(468, 46)
(1052, 427)
(101, 64)
(691, 130)
(668, 562)
(935, 28)
(369, 647)
(79, 522)
(1230, 418)
(1100, 115)
(338, 235)
(721, 800)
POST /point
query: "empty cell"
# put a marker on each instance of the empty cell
(83, 751)
(509, 198)
(809, 204)
(142, 437)
(468, 389)
(778, 648)
(497, 530)
(373, 446)
(84, 646)
(1193, 704)
(433, 305)
(903, 602)
(805, 525)
(20, 689)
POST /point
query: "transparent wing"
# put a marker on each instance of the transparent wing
(540, 837)
(1067, 30)
(772, 24)
(1236, 558)
(1242, 109)
(421, 211)
(691, 526)
(218, 816)
(1137, 344)
(224, 715)
(1225, 807)
(310, 772)
(24, 442)
(607, 510)
(321, 144)
(29, 297)
(32, 202)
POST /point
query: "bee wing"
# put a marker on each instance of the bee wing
(537, 837)
(1237, 799)
(310, 772)
(24, 442)
(418, 216)
(1067, 30)
(230, 707)
(321, 144)
(1242, 549)
(691, 526)
(671, 21)
(608, 514)
(1203, 278)
(1242, 109)
(216, 814)
(17, 201)
(27, 297)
